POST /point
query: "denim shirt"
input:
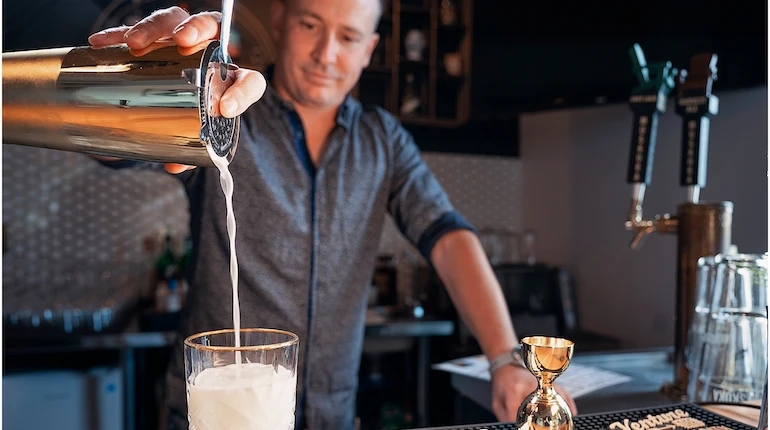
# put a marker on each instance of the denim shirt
(307, 240)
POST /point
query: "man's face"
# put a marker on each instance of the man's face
(323, 47)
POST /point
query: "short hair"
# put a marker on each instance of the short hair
(384, 5)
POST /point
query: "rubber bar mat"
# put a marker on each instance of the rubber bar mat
(684, 416)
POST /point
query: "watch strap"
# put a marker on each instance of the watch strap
(512, 357)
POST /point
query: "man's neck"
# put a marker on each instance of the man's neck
(323, 119)
(317, 122)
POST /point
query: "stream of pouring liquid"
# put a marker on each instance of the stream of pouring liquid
(226, 181)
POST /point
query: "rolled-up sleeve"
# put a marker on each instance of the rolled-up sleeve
(417, 201)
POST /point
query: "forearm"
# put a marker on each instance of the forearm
(463, 267)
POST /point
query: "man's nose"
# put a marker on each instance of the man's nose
(326, 49)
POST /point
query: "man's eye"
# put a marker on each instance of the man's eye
(307, 25)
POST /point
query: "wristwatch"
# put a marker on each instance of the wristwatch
(512, 357)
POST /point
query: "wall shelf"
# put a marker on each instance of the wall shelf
(425, 49)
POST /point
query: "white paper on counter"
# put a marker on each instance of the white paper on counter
(578, 380)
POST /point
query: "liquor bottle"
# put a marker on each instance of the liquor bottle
(167, 264)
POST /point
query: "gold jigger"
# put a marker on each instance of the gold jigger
(544, 408)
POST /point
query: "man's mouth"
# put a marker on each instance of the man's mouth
(320, 77)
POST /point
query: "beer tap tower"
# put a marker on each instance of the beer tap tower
(702, 228)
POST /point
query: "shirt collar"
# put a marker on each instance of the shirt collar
(344, 115)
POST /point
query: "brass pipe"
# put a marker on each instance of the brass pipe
(704, 229)
(109, 102)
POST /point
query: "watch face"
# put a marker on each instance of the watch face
(250, 43)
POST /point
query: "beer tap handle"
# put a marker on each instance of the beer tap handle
(696, 104)
(640, 64)
(640, 159)
(648, 101)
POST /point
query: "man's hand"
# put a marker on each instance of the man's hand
(464, 268)
(510, 385)
(174, 26)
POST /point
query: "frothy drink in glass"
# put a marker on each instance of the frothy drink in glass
(259, 393)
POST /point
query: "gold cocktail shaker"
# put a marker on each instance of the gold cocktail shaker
(158, 107)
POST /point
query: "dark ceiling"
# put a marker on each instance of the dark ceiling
(527, 54)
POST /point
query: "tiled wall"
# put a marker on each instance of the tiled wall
(486, 190)
(62, 209)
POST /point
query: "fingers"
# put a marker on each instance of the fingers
(512, 404)
(108, 37)
(144, 35)
(159, 25)
(197, 29)
(175, 168)
(248, 88)
(189, 50)
(163, 28)
(499, 410)
(571, 403)
(506, 410)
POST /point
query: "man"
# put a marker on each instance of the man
(315, 175)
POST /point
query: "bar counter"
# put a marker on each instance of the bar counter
(649, 369)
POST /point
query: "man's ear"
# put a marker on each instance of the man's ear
(277, 18)
(370, 49)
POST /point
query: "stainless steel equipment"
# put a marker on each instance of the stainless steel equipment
(702, 229)
(158, 107)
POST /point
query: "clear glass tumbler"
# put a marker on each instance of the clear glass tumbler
(251, 386)
(733, 367)
(704, 291)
